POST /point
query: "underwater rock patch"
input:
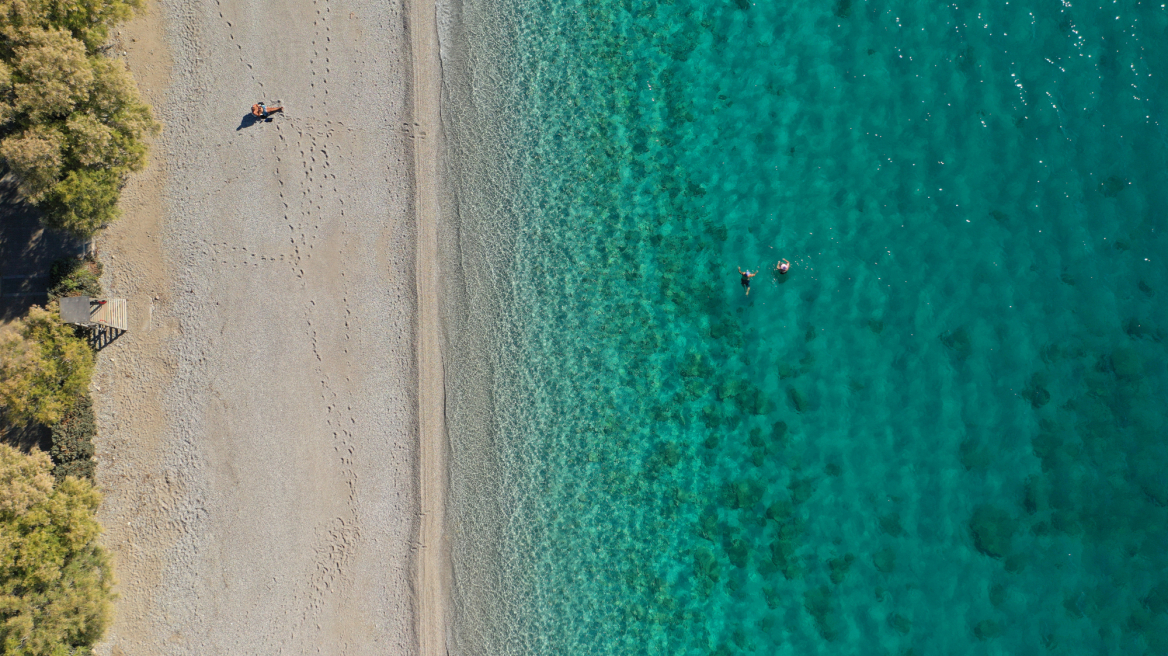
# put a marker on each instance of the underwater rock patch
(1036, 391)
(1126, 363)
(707, 526)
(788, 371)
(992, 529)
(780, 511)
(899, 623)
(783, 557)
(779, 433)
(755, 402)
(817, 603)
(1112, 185)
(706, 566)
(987, 629)
(772, 597)
(890, 524)
(695, 366)
(730, 389)
(742, 494)
(1066, 521)
(739, 552)
(802, 489)
(973, 455)
(958, 342)
(712, 416)
(797, 399)
(1138, 329)
(1157, 599)
(839, 567)
(1037, 495)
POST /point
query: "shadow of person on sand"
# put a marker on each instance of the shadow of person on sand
(247, 121)
(250, 119)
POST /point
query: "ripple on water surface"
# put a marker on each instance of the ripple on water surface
(942, 432)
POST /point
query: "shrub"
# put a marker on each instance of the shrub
(56, 581)
(74, 276)
(72, 449)
(44, 368)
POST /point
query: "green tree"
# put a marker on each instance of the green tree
(7, 97)
(72, 121)
(24, 481)
(51, 74)
(91, 142)
(87, 20)
(35, 157)
(116, 102)
(83, 202)
(44, 368)
(55, 580)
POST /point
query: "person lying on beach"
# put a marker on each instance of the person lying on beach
(262, 111)
(746, 276)
(782, 266)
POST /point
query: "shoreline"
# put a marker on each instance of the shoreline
(433, 567)
(259, 423)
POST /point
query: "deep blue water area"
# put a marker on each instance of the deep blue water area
(942, 432)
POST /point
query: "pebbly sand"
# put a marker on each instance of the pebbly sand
(271, 443)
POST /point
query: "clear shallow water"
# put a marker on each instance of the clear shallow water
(943, 432)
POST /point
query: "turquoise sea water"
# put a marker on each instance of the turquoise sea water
(942, 433)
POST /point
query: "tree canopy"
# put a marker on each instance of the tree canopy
(55, 580)
(72, 122)
(44, 368)
(88, 21)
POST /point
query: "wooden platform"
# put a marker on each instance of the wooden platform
(95, 312)
(111, 314)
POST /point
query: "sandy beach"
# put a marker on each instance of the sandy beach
(266, 488)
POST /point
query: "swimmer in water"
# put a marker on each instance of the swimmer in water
(746, 276)
(782, 266)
